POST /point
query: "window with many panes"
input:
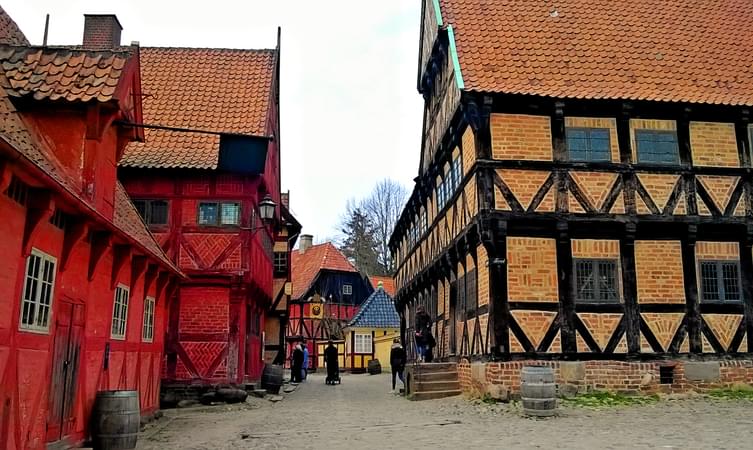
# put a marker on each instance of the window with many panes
(362, 343)
(219, 213)
(154, 212)
(588, 144)
(147, 333)
(596, 280)
(720, 281)
(657, 146)
(120, 313)
(347, 289)
(281, 263)
(39, 285)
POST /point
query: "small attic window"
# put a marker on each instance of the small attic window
(347, 289)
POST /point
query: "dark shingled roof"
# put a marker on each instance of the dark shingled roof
(378, 311)
(10, 34)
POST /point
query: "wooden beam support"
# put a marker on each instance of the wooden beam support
(625, 143)
(559, 143)
(630, 289)
(6, 175)
(742, 135)
(138, 268)
(692, 306)
(746, 270)
(100, 243)
(566, 288)
(39, 210)
(121, 255)
(495, 243)
(683, 139)
(74, 233)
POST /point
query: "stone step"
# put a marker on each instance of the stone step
(437, 366)
(432, 386)
(436, 376)
(433, 395)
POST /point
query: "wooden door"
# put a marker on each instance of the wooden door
(69, 330)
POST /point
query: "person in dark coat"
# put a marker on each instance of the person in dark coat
(430, 343)
(331, 360)
(397, 362)
(423, 324)
(297, 366)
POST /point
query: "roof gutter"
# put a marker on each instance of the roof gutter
(455, 60)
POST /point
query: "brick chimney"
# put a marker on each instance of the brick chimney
(306, 241)
(101, 31)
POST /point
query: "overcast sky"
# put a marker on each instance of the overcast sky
(350, 111)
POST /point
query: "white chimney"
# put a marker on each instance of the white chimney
(306, 241)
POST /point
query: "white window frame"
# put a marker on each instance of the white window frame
(119, 326)
(347, 289)
(36, 301)
(147, 331)
(363, 344)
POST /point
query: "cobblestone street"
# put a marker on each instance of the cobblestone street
(361, 413)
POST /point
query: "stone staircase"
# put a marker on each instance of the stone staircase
(426, 381)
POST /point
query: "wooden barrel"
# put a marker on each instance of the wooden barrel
(116, 419)
(374, 367)
(271, 378)
(538, 392)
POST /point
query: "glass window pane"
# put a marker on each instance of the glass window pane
(208, 213)
(655, 146)
(141, 208)
(709, 283)
(230, 214)
(158, 211)
(584, 278)
(731, 281)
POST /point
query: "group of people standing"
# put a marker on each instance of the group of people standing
(300, 363)
(425, 344)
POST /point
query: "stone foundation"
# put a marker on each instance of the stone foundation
(669, 376)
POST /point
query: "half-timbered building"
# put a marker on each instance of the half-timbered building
(327, 291)
(584, 192)
(84, 287)
(208, 168)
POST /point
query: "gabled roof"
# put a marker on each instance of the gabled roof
(306, 266)
(62, 73)
(219, 90)
(10, 34)
(677, 51)
(125, 219)
(387, 283)
(378, 311)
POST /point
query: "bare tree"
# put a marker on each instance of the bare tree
(383, 207)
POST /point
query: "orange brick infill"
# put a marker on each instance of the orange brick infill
(613, 376)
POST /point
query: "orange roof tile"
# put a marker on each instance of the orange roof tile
(387, 283)
(10, 34)
(306, 266)
(677, 50)
(60, 73)
(220, 90)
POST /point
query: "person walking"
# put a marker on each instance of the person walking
(305, 366)
(297, 365)
(331, 360)
(397, 362)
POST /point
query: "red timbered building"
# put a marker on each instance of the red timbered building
(209, 164)
(85, 286)
(584, 197)
(327, 291)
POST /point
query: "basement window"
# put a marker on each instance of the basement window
(596, 280)
(588, 144)
(666, 374)
(39, 287)
(720, 281)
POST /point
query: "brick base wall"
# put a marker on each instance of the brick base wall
(614, 376)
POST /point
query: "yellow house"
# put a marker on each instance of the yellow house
(370, 333)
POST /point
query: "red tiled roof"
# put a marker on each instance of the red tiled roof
(10, 34)
(62, 74)
(125, 219)
(387, 283)
(674, 50)
(220, 90)
(306, 266)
